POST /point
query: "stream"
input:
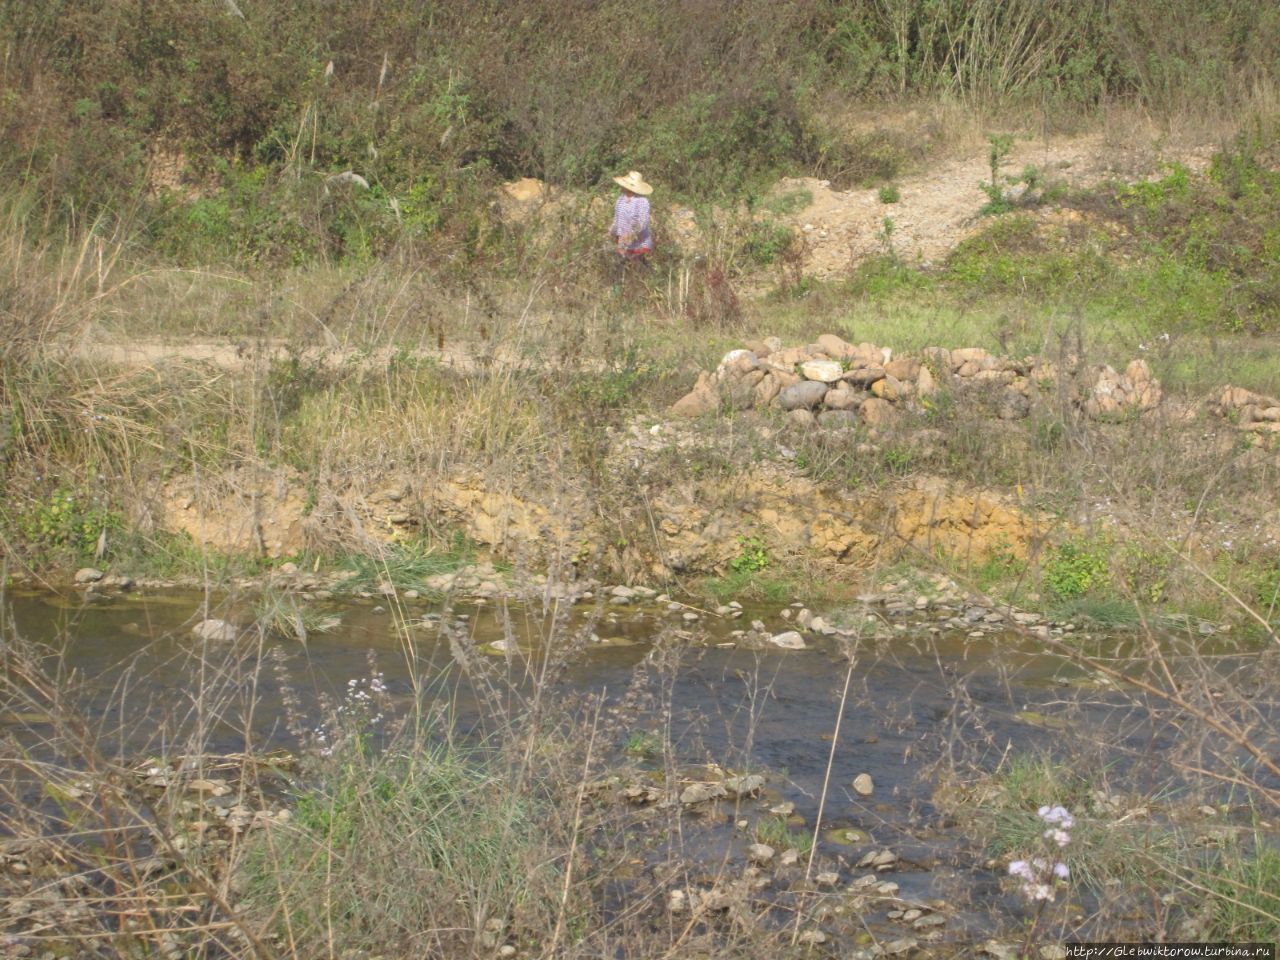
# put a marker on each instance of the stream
(923, 704)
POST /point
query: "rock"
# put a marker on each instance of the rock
(761, 854)
(811, 938)
(967, 355)
(865, 376)
(803, 396)
(789, 640)
(879, 859)
(215, 631)
(926, 386)
(929, 920)
(801, 418)
(904, 368)
(88, 575)
(677, 901)
(622, 593)
(896, 947)
(889, 388)
(842, 397)
(823, 371)
(738, 362)
(1001, 951)
(747, 786)
(863, 785)
(790, 857)
(765, 391)
(878, 413)
(702, 399)
(836, 348)
(702, 792)
(828, 878)
(839, 419)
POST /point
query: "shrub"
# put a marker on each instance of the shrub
(1076, 568)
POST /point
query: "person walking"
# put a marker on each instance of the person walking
(630, 231)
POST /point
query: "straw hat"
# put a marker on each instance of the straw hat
(635, 183)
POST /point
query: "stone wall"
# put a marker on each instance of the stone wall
(835, 383)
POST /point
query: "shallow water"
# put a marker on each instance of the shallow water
(916, 702)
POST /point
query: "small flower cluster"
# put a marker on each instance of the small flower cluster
(361, 710)
(1039, 873)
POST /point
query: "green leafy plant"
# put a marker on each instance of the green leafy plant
(768, 242)
(889, 193)
(753, 556)
(1076, 568)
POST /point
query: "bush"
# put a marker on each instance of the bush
(1076, 568)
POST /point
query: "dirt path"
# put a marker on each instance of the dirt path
(939, 208)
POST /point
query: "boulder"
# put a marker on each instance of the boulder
(878, 413)
(765, 391)
(738, 362)
(823, 371)
(904, 368)
(965, 355)
(843, 398)
(88, 575)
(836, 348)
(803, 396)
(926, 386)
(864, 376)
(888, 388)
(702, 399)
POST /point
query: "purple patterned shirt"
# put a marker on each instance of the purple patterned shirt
(631, 225)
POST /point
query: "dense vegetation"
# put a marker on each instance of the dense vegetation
(248, 105)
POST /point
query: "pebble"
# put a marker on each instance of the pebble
(863, 785)
(677, 901)
(879, 859)
(88, 575)
(828, 878)
(812, 937)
